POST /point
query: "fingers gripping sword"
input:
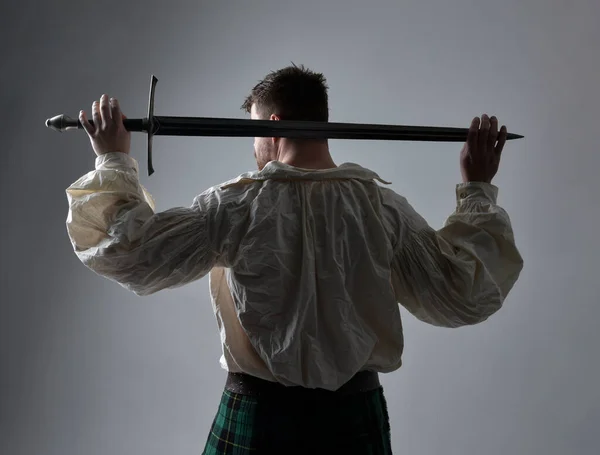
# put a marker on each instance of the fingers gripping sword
(228, 127)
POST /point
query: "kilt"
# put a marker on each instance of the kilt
(308, 424)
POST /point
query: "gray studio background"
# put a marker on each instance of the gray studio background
(87, 368)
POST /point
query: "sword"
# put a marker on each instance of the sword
(229, 127)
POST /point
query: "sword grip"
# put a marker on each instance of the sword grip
(63, 122)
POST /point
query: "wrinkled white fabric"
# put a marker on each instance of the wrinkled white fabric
(307, 267)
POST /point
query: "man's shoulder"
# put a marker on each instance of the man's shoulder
(392, 201)
(236, 191)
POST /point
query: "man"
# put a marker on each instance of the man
(308, 262)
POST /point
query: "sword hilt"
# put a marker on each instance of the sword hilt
(63, 122)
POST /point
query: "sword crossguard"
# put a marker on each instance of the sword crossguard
(150, 123)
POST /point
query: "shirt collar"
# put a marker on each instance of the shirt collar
(282, 171)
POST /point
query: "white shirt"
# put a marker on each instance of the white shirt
(307, 267)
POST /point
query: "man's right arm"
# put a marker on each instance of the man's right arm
(461, 274)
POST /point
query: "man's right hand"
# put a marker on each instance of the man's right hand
(480, 156)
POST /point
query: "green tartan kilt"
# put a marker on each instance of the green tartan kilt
(352, 424)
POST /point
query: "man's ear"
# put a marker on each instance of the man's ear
(274, 140)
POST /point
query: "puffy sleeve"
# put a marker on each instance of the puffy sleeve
(115, 231)
(461, 274)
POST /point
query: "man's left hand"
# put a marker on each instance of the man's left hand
(108, 134)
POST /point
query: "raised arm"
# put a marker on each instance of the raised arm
(116, 233)
(461, 274)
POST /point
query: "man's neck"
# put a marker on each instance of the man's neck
(307, 156)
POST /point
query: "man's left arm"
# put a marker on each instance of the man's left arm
(116, 233)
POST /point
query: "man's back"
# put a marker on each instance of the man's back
(311, 275)
(310, 266)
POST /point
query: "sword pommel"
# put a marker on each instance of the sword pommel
(62, 123)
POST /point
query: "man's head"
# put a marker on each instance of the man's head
(291, 93)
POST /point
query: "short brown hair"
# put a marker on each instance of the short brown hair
(293, 93)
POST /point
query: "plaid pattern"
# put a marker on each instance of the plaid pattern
(355, 424)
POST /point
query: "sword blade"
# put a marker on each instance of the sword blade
(225, 127)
